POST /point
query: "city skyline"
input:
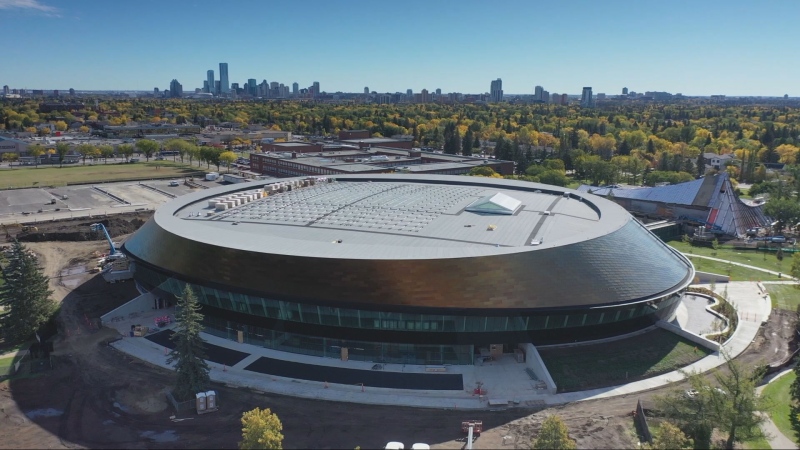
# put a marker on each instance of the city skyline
(645, 47)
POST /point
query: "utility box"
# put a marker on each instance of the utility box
(240, 336)
(200, 402)
(345, 354)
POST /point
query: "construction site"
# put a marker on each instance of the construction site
(94, 395)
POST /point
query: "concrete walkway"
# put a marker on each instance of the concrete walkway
(774, 436)
(505, 380)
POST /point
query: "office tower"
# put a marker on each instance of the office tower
(496, 91)
(537, 93)
(71, 91)
(295, 89)
(586, 98)
(224, 84)
(545, 97)
(438, 92)
(5, 90)
(315, 86)
(410, 92)
(564, 99)
(624, 91)
(217, 87)
(210, 81)
(366, 89)
(206, 87)
(175, 89)
(555, 99)
(252, 87)
(155, 92)
(424, 96)
(263, 89)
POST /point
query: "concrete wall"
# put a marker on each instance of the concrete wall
(140, 304)
(534, 361)
(708, 277)
(699, 340)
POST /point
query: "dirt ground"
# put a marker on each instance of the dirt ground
(75, 229)
(98, 397)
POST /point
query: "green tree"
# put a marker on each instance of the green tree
(670, 437)
(126, 150)
(553, 435)
(177, 145)
(484, 171)
(36, 150)
(189, 353)
(714, 246)
(227, 158)
(795, 271)
(106, 151)
(25, 296)
(731, 407)
(86, 151)
(784, 210)
(261, 429)
(62, 148)
(467, 142)
(147, 147)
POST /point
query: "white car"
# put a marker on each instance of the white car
(174, 183)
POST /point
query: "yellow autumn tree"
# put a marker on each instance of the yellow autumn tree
(261, 429)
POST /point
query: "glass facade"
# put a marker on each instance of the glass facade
(396, 337)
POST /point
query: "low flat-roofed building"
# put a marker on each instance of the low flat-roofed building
(11, 145)
(378, 142)
(295, 147)
(148, 129)
(375, 160)
(353, 134)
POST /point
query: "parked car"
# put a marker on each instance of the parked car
(174, 183)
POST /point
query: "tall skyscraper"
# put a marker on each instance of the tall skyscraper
(210, 81)
(252, 87)
(496, 91)
(295, 89)
(315, 85)
(366, 89)
(424, 96)
(410, 92)
(546, 96)
(224, 84)
(624, 91)
(438, 92)
(586, 98)
(537, 93)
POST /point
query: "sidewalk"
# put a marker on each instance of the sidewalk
(505, 380)
(775, 438)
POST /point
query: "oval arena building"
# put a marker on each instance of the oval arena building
(408, 268)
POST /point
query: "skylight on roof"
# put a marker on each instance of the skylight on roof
(498, 203)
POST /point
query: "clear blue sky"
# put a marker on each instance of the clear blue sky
(732, 47)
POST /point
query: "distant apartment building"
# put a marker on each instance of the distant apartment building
(252, 87)
(6, 90)
(295, 89)
(496, 91)
(546, 96)
(624, 91)
(537, 93)
(555, 99)
(586, 98)
(175, 89)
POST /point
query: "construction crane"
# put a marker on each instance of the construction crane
(101, 227)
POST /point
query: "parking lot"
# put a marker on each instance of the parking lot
(37, 204)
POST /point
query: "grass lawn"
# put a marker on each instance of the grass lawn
(737, 273)
(749, 257)
(55, 176)
(758, 444)
(778, 394)
(618, 362)
(784, 296)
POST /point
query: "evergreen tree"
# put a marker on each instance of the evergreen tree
(701, 165)
(466, 143)
(651, 148)
(189, 354)
(553, 435)
(25, 297)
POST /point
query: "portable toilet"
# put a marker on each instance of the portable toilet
(200, 400)
(211, 399)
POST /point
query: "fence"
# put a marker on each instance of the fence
(641, 423)
(180, 406)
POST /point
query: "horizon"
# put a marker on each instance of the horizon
(562, 47)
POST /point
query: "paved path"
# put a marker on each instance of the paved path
(774, 436)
